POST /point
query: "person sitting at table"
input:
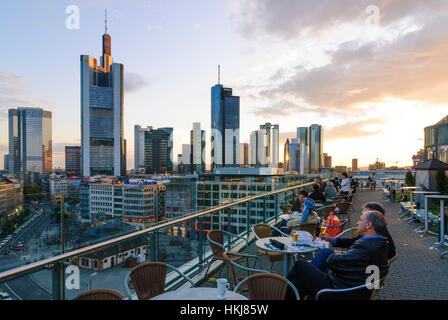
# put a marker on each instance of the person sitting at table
(330, 191)
(305, 216)
(317, 194)
(321, 257)
(349, 269)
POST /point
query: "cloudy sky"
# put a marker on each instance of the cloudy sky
(373, 81)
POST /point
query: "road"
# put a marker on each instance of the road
(23, 287)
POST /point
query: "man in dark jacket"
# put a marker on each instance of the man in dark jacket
(349, 269)
(347, 242)
(317, 194)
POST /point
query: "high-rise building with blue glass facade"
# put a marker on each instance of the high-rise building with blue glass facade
(225, 125)
(102, 142)
(316, 148)
(159, 151)
(30, 141)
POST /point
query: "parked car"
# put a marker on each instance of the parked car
(4, 296)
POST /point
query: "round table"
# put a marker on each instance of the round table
(199, 293)
(287, 241)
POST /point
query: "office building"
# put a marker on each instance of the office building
(225, 125)
(354, 164)
(11, 197)
(272, 132)
(244, 155)
(73, 160)
(258, 149)
(139, 147)
(30, 141)
(436, 140)
(6, 162)
(102, 141)
(316, 148)
(197, 152)
(293, 156)
(303, 136)
(327, 161)
(158, 151)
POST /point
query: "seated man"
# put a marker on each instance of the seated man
(320, 259)
(349, 269)
(307, 215)
(317, 194)
(330, 191)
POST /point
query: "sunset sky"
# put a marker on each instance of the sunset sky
(293, 63)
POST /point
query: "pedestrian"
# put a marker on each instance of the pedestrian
(373, 182)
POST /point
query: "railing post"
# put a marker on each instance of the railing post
(247, 218)
(153, 247)
(229, 221)
(58, 284)
(200, 249)
(264, 210)
(276, 207)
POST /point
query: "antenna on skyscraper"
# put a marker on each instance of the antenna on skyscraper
(219, 74)
(105, 21)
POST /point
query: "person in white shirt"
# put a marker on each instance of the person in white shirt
(345, 184)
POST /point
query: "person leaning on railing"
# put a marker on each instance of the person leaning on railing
(320, 259)
(346, 270)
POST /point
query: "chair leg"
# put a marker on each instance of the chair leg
(208, 268)
(442, 254)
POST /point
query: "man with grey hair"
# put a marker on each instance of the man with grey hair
(349, 269)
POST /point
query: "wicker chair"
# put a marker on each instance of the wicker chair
(100, 294)
(148, 279)
(261, 231)
(326, 211)
(267, 286)
(308, 227)
(216, 241)
(395, 257)
(232, 265)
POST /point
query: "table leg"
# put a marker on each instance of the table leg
(285, 265)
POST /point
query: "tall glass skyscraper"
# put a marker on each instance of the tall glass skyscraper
(303, 136)
(159, 151)
(139, 147)
(225, 125)
(102, 142)
(316, 148)
(30, 141)
(272, 131)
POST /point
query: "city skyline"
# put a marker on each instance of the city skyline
(364, 115)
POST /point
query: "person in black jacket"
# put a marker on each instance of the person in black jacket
(317, 194)
(345, 243)
(349, 269)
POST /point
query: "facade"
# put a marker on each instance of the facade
(5, 162)
(293, 156)
(138, 202)
(180, 196)
(436, 140)
(303, 136)
(11, 197)
(30, 141)
(420, 157)
(73, 160)
(272, 132)
(102, 142)
(225, 125)
(327, 161)
(258, 149)
(197, 152)
(340, 169)
(217, 189)
(244, 155)
(316, 148)
(354, 164)
(159, 150)
(139, 147)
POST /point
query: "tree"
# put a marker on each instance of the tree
(410, 182)
(441, 181)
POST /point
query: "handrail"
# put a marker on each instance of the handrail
(91, 248)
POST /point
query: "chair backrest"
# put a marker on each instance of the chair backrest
(217, 236)
(360, 292)
(308, 227)
(231, 268)
(376, 290)
(100, 294)
(343, 207)
(149, 279)
(267, 286)
(262, 230)
(326, 211)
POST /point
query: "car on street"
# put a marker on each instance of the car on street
(4, 296)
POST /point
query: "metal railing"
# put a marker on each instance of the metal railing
(57, 263)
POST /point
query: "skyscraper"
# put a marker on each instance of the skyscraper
(244, 155)
(293, 156)
(258, 149)
(158, 150)
(303, 135)
(102, 139)
(30, 141)
(139, 147)
(6, 162)
(73, 160)
(355, 164)
(327, 161)
(225, 125)
(272, 132)
(197, 143)
(316, 148)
